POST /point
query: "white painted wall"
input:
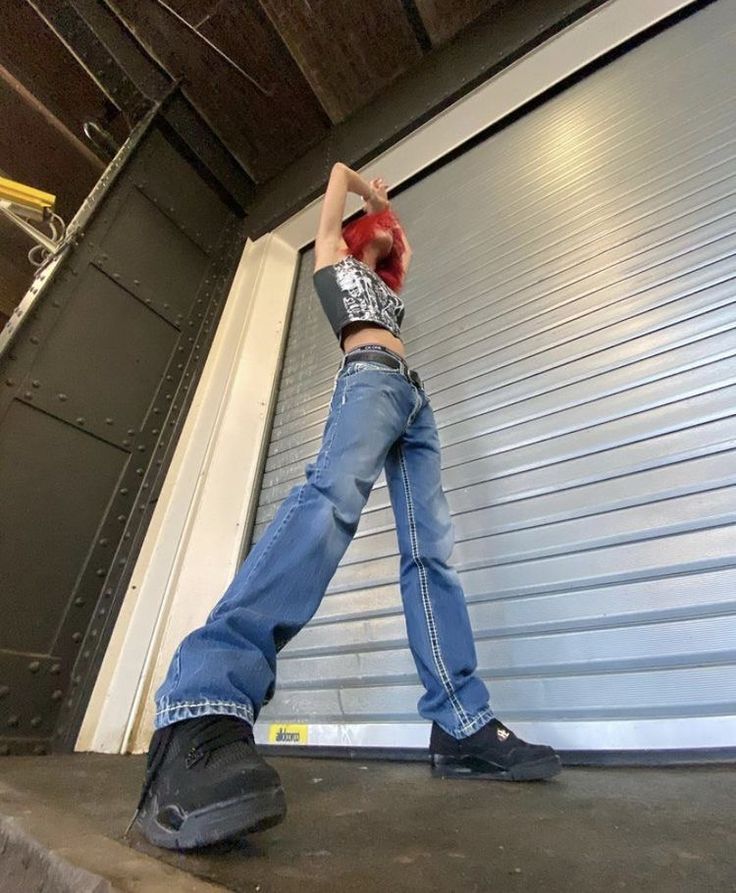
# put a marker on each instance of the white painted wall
(195, 538)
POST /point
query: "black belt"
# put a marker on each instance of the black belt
(388, 359)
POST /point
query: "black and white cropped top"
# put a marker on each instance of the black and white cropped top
(351, 291)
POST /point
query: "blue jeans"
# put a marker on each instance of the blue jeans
(378, 418)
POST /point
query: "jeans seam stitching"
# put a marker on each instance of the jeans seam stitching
(426, 604)
(414, 412)
(328, 446)
(205, 701)
(480, 719)
(247, 708)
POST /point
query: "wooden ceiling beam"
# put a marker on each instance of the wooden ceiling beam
(347, 51)
(16, 271)
(107, 47)
(37, 149)
(36, 57)
(132, 81)
(259, 103)
(481, 50)
(443, 19)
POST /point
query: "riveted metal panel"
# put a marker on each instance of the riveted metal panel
(198, 211)
(29, 697)
(95, 388)
(574, 320)
(72, 482)
(129, 338)
(130, 253)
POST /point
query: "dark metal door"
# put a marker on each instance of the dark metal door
(94, 390)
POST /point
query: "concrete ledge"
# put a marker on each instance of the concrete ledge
(27, 865)
(47, 846)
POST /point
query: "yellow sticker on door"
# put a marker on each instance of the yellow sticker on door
(279, 733)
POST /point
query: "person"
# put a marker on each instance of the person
(205, 781)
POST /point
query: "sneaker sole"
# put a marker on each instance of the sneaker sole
(538, 770)
(216, 823)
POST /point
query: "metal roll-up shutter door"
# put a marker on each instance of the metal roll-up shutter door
(572, 308)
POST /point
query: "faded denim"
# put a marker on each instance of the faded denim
(377, 418)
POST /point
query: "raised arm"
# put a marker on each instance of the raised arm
(406, 256)
(329, 230)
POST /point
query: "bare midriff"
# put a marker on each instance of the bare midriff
(354, 334)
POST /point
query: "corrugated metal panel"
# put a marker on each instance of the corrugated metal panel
(572, 309)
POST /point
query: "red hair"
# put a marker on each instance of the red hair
(361, 231)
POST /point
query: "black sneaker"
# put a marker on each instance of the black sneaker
(206, 783)
(493, 752)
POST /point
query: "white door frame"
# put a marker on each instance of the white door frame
(195, 538)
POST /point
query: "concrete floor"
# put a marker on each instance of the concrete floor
(369, 826)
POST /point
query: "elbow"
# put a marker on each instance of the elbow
(339, 172)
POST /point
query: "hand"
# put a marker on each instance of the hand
(378, 200)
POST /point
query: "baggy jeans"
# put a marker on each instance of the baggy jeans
(378, 418)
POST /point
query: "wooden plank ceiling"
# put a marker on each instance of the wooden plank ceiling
(271, 77)
(296, 67)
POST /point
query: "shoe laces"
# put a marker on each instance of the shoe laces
(155, 756)
(212, 734)
(207, 734)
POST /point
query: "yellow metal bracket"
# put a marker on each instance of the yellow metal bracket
(25, 200)
(22, 204)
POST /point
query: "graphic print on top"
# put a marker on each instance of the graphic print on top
(366, 295)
